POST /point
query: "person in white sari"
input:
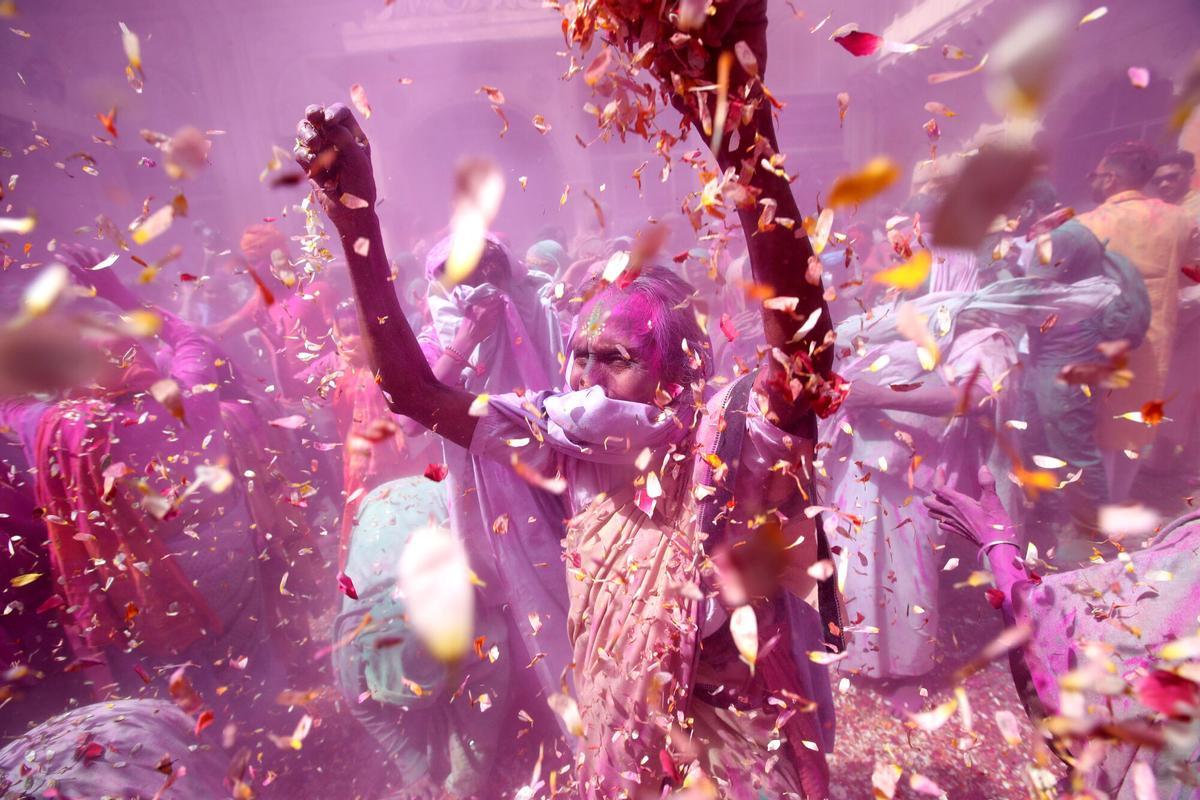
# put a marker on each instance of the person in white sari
(931, 380)
(492, 334)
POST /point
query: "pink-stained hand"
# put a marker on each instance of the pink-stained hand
(334, 152)
(479, 322)
(80, 259)
(981, 521)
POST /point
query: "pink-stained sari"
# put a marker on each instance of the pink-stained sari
(115, 547)
(661, 702)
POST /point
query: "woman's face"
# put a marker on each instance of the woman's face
(614, 349)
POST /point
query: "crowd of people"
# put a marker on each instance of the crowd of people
(594, 516)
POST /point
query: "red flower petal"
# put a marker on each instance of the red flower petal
(1169, 693)
(50, 603)
(347, 586)
(860, 43)
(727, 327)
(204, 720)
(995, 598)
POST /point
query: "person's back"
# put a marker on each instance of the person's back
(1155, 236)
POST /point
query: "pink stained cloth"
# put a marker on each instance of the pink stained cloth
(633, 621)
(893, 554)
(189, 576)
(367, 460)
(512, 530)
(1133, 607)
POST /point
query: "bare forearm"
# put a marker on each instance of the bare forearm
(779, 257)
(409, 385)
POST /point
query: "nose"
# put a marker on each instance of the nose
(591, 375)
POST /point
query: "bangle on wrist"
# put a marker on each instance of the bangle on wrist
(457, 356)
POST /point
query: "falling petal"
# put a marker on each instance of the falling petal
(922, 785)
(1049, 462)
(1026, 60)
(346, 585)
(1006, 721)
(565, 706)
(1127, 521)
(358, 96)
(930, 721)
(820, 234)
(1168, 693)
(18, 225)
(169, 396)
(909, 275)
(856, 42)
(987, 185)
(435, 580)
(1140, 78)
(1145, 785)
(945, 77)
(1093, 15)
(155, 225)
(743, 627)
(858, 187)
(479, 406)
(45, 291)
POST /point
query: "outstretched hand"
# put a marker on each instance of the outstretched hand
(80, 260)
(980, 521)
(335, 154)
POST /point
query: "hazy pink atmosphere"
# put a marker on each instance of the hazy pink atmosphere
(748, 399)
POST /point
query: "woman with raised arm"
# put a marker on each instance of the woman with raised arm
(665, 547)
(1095, 665)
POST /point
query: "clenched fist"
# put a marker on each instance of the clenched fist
(334, 152)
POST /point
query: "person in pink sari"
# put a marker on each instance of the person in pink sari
(686, 617)
(1105, 655)
(153, 552)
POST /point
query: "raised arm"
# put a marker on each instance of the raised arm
(335, 153)
(778, 256)
(193, 350)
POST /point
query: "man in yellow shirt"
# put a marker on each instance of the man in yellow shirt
(1158, 238)
(1179, 442)
(1172, 182)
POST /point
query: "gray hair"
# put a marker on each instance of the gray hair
(673, 322)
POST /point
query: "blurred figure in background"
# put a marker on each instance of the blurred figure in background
(1172, 182)
(497, 332)
(153, 545)
(1159, 239)
(126, 748)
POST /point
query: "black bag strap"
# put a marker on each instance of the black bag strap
(727, 446)
(713, 511)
